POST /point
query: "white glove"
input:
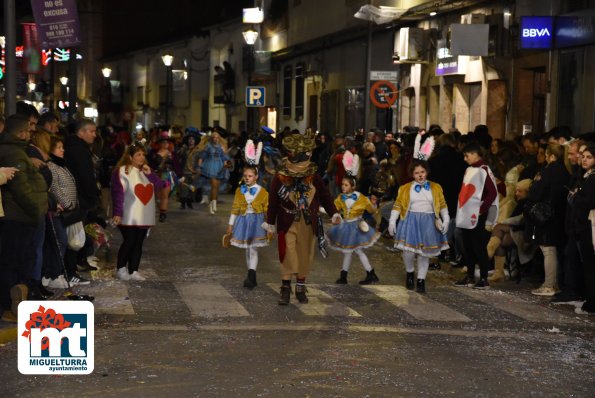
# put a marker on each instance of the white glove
(445, 220)
(392, 222)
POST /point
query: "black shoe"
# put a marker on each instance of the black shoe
(45, 292)
(285, 295)
(34, 293)
(564, 298)
(162, 217)
(456, 264)
(434, 267)
(342, 279)
(409, 283)
(250, 281)
(482, 284)
(300, 293)
(467, 281)
(370, 278)
(421, 286)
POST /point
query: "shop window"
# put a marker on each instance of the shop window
(287, 89)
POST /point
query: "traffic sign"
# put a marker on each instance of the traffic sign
(383, 94)
(390, 75)
(255, 96)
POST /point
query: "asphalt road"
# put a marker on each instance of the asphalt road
(192, 330)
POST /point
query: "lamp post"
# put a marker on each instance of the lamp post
(250, 36)
(168, 60)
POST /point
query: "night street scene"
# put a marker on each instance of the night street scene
(297, 198)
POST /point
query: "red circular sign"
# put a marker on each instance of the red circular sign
(383, 94)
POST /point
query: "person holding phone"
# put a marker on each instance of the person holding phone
(133, 194)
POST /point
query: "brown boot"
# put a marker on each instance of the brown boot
(493, 245)
(285, 295)
(498, 274)
(300, 293)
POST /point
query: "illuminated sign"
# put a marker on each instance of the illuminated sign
(574, 31)
(537, 32)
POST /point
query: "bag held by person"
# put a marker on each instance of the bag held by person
(540, 213)
(76, 236)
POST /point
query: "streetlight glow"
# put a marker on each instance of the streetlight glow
(31, 86)
(64, 80)
(168, 59)
(250, 36)
(106, 72)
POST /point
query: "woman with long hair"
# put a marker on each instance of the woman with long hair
(214, 160)
(162, 161)
(133, 194)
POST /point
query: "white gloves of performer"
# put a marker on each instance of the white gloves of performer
(392, 222)
(336, 219)
(445, 220)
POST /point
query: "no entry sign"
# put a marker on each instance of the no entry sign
(383, 94)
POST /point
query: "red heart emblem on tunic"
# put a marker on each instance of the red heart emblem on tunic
(144, 192)
(467, 191)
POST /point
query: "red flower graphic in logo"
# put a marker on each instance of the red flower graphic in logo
(43, 319)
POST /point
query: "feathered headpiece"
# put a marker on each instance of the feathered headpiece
(252, 152)
(351, 163)
(422, 151)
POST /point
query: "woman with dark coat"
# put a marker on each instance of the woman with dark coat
(582, 206)
(549, 187)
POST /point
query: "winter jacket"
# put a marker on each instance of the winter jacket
(447, 168)
(25, 197)
(79, 161)
(549, 186)
(582, 202)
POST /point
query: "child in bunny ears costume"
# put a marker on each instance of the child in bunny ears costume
(353, 234)
(424, 222)
(248, 211)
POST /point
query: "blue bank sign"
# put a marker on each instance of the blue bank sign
(537, 32)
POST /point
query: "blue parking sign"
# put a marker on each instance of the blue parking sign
(255, 96)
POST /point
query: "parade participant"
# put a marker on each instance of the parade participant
(163, 164)
(297, 192)
(247, 213)
(213, 162)
(476, 214)
(353, 234)
(424, 223)
(133, 188)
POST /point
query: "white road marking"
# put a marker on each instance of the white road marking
(415, 304)
(319, 303)
(209, 300)
(111, 297)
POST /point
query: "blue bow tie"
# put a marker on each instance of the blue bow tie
(344, 197)
(244, 189)
(425, 186)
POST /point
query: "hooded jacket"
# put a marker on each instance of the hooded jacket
(25, 197)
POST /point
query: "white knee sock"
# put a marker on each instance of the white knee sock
(251, 258)
(347, 261)
(422, 266)
(409, 260)
(364, 259)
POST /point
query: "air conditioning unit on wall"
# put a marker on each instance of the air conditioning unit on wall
(410, 45)
(473, 18)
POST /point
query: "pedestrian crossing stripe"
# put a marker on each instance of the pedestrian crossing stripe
(209, 300)
(212, 300)
(517, 306)
(321, 304)
(418, 306)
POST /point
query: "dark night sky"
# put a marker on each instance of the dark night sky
(131, 24)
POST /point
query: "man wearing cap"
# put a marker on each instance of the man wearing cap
(295, 196)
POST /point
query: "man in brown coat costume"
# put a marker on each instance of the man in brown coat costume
(295, 196)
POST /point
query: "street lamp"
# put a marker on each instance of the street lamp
(64, 80)
(168, 60)
(106, 72)
(250, 37)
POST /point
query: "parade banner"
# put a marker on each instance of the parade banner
(31, 49)
(57, 22)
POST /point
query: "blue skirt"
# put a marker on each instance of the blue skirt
(212, 167)
(417, 233)
(247, 231)
(347, 237)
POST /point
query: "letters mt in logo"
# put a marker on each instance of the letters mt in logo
(56, 337)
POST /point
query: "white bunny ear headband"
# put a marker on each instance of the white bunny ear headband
(423, 151)
(252, 152)
(351, 163)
